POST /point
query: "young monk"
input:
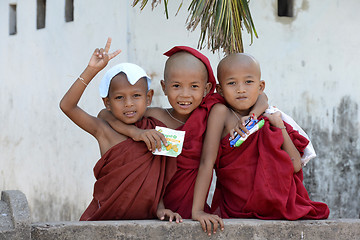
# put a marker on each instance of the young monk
(262, 178)
(130, 180)
(189, 85)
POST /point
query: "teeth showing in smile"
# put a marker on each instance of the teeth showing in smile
(184, 103)
(129, 113)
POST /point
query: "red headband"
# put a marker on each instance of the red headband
(201, 57)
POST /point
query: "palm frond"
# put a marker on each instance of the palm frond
(221, 22)
(153, 5)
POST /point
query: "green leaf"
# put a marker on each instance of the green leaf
(222, 21)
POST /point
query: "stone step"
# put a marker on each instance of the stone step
(14, 216)
(6, 223)
(241, 229)
(15, 223)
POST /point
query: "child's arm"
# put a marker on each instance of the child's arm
(163, 213)
(259, 108)
(68, 103)
(215, 126)
(288, 145)
(151, 137)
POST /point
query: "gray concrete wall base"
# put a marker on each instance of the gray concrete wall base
(15, 221)
(241, 229)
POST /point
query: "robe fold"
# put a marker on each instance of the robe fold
(130, 180)
(257, 179)
(179, 193)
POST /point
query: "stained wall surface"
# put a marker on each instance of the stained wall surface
(309, 62)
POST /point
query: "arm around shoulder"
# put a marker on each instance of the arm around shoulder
(117, 125)
(288, 146)
(261, 105)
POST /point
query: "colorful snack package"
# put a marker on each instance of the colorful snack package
(175, 140)
(252, 125)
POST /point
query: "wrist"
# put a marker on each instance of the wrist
(195, 211)
(134, 133)
(89, 72)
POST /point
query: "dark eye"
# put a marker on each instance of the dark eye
(176, 85)
(249, 81)
(231, 83)
(136, 95)
(119, 97)
(195, 86)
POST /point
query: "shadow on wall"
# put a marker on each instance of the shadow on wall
(334, 176)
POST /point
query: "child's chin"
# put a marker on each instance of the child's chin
(186, 110)
(130, 121)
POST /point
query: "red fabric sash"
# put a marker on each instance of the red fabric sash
(130, 181)
(179, 193)
(257, 180)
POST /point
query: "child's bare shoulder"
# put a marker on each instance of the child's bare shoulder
(219, 113)
(107, 137)
(158, 113)
(219, 108)
(154, 111)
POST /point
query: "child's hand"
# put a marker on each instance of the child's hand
(240, 127)
(275, 119)
(168, 214)
(151, 137)
(206, 220)
(101, 57)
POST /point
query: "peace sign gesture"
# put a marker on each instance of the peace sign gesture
(101, 57)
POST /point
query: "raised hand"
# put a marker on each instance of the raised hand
(101, 57)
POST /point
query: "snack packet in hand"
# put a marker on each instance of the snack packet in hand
(252, 125)
(175, 140)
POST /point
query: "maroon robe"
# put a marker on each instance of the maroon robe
(130, 180)
(257, 179)
(179, 193)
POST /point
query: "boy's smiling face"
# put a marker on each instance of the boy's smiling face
(128, 102)
(185, 84)
(239, 82)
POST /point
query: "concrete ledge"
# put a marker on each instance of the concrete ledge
(242, 229)
(15, 216)
(15, 224)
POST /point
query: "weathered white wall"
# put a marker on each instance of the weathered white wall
(308, 62)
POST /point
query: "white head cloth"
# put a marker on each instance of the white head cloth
(132, 71)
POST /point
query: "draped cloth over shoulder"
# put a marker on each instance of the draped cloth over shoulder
(257, 180)
(179, 193)
(130, 180)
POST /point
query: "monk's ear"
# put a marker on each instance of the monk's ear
(219, 89)
(262, 86)
(207, 88)
(149, 96)
(106, 103)
(162, 82)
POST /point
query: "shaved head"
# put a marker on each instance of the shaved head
(184, 61)
(237, 59)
